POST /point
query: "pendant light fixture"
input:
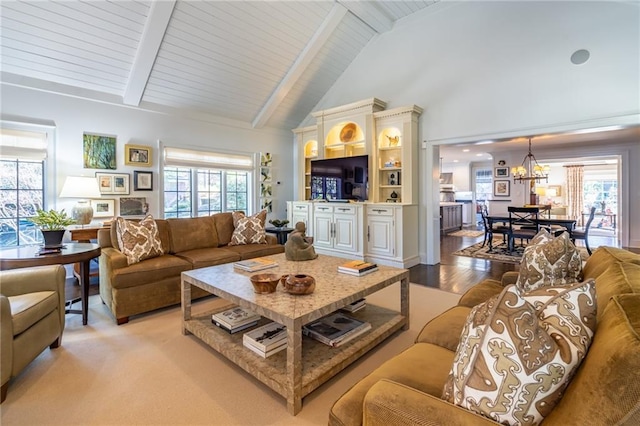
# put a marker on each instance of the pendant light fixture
(530, 170)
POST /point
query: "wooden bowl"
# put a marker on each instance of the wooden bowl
(264, 283)
(299, 284)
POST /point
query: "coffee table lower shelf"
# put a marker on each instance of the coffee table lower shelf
(319, 361)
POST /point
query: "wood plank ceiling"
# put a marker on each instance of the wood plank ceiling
(257, 62)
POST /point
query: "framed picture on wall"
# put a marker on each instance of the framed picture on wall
(142, 181)
(501, 172)
(103, 208)
(137, 155)
(133, 206)
(99, 151)
(501, 188)
(113, 183)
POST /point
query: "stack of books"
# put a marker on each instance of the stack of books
(355, 306)
(357, 267)
(257, 264)
(266, 340)
(335, 329)
(235, 319)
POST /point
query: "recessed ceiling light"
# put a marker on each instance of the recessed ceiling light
(466, 150)
(456, 161)
(597, 129)
(579, 57)
(479, 155)
(484, 143)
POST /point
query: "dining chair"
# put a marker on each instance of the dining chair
(523, 224)
(583, 233)
(490, 229)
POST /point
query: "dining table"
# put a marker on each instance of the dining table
(545, 222)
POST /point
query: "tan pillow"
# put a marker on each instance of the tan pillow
(138, 241)
(518, 353)
(548, 262)
(248, 230)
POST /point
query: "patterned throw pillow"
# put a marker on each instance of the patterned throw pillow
(549, 261)
(138, 241)
(518, 353)
(248, 230)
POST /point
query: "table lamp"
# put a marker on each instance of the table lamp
(85, 188)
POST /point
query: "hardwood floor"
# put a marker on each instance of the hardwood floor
(456, 274)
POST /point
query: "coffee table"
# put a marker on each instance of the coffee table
(306, 364)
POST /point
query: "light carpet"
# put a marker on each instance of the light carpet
(500, 252)
(466, 233)
(147, 373)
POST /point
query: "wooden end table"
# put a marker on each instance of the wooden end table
(281, 233)
(82, 253)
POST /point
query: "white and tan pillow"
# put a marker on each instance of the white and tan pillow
(549, 261)
(138, 241)
(518, 353)
(248, 230)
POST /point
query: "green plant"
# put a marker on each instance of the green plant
(51, 220)
(278, 223)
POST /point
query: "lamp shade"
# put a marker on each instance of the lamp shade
(81, 187)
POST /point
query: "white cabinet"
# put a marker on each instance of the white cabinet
(337, 229)
(299, 212)
(391, 238)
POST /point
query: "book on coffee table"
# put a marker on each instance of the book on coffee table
(355, 306)
(267, 354)
(335, 329)
(357, 267)
(234, 318)
(267, 337)
(235, 329)
(257, 264)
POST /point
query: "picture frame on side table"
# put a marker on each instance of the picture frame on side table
(104, 208)
(502, 188)
(137, 155)
(501, 172)
(142, 181)
(113, 183)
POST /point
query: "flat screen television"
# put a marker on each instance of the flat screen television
(344, 178)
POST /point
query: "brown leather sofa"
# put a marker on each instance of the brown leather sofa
(32, 305)
(188, 243)
(605, 390)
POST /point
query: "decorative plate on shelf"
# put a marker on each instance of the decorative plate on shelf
(348, 132)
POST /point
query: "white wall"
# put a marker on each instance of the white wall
(72, 117)
(502, 69)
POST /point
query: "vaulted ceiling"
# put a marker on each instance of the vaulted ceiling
(258, 62)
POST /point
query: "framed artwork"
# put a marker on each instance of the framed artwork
(142, 181)
(103, 208)
(113, 183)
(502, 188)
(137, 155)
(266, 159)
(501, 172)
(133, 206)
(265, 190)
(556, 188)
(265, 174)
(99, 151)
(266, 204)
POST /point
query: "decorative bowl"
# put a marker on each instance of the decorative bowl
(264, 283)
(299, 284)
(348, 132)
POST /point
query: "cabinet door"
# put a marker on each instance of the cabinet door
(345, 232)
(323, 230)
(380, 235)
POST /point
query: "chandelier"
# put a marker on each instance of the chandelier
(530, 170)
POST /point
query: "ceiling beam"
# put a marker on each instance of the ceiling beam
(154, 30)
(370, 13)
(301, 64)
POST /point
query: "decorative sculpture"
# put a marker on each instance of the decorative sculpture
(298, 245)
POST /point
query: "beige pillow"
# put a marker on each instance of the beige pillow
(138, 241)
(517, 354)
(248, 230)
(549, 261)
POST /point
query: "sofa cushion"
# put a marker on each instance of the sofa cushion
(256, 250)
(618, 278)
(550, 261)
(445, 329)
(517, 352)
(29, 308)
(138, 241)
(192, 233)
(201, 258)
(603, 256)
(248, 230)
(480, 293)
(423, 366)
(224, 226)
(149, 271)
(606, 388)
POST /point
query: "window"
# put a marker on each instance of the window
(484, 184)
(22, 185)
(205, 183)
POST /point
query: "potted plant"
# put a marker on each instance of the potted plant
(52, 224)
(279, 223)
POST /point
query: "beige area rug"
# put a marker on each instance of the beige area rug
(467, 233)
(147, 373)
(500, 252)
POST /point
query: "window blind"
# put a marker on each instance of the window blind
(23, 144)
(179, 157)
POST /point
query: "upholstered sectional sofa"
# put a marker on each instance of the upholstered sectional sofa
(605, 389)
(187, 243)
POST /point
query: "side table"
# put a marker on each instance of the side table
(281, 233)
(27, 256)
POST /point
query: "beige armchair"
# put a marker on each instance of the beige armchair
(32, 308)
